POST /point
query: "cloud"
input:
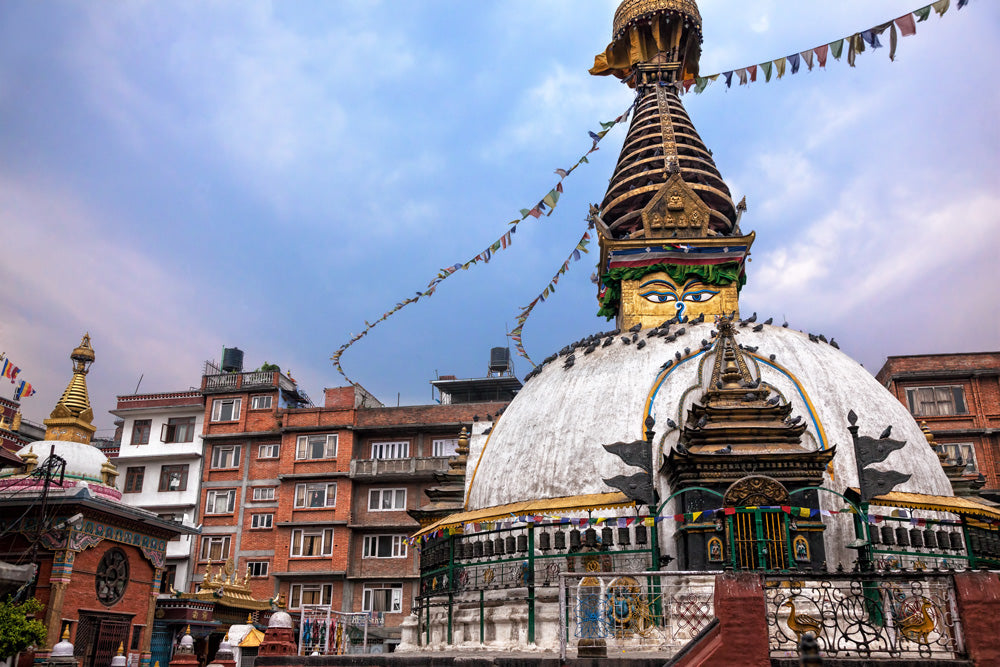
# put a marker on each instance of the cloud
(64, 278)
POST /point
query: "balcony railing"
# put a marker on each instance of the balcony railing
(225, 382)
(410, 466)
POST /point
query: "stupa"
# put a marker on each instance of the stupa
(737, 419)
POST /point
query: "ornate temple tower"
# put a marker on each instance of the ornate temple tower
(669, 231)
(71, 418)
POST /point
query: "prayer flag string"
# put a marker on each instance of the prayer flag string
(575, 256)
(905, 25)
(545, 206)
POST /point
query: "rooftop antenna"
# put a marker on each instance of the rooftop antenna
(141, 375)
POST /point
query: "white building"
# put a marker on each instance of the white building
(160, 463)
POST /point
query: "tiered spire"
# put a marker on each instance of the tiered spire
(668, 219)
(72, 417)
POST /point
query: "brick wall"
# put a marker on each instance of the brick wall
(978, 374)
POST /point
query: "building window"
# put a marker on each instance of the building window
(133, 479)
(268, 451)
(444, 447)
(322, 494)
(316, 447)
(386, 598)
(140, 431)
(962, 453)
(220, 502)
(312, 542)
(178, 429)
(137, 637)
(168, 579)
(226, 456)
(261, 521)
(262, 402)
(215, 547)
(936, 401)
(391, 450)
(384, 500)
(174, 478)
(263, 493)
(226, 409)
(300, 595)
(257, 568)
(385, 546)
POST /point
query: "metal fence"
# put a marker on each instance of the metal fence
(637, 612)
(905, 616)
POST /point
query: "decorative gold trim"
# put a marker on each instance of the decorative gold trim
(631, 10)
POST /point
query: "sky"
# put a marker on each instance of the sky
(178, 177)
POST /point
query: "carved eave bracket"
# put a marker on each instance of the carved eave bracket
(676, 212)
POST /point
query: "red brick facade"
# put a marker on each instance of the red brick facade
(331, 463)
(958, 396)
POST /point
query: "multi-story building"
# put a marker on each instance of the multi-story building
(958, 396)
(160, 464)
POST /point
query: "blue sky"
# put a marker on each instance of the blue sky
(175, 177)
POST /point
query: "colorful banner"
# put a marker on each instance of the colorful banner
(575, 256)
(545, 206)
(9, 370)
(905, 25)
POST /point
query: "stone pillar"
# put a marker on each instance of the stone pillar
(145, 654)
(59, 579)
(742, 613)
(978, 607)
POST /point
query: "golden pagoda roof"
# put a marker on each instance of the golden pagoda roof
(225, 588)
(633, 10)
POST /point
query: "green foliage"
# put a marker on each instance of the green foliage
(269, 367)
(713, 274)
(16, 631)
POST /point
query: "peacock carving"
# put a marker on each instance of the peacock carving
(802, 623)
(917, 626)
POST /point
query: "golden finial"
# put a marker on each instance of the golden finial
(65, 634)
(156, 664)
(72, 417)
(121, 648)
(249, 619)
(187, 630)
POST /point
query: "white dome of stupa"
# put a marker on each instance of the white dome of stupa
(547, 443)
(280, 619)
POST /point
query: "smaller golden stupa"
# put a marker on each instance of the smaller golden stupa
(72, 417)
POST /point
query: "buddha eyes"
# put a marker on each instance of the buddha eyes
(659, 297)
(700, 296)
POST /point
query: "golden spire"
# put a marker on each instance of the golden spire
(71, 419)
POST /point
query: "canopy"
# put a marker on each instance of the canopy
(921, 501)
(593, 501)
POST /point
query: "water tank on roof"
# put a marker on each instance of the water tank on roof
(232, 360)
(499, 360)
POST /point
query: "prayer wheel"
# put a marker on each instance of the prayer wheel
(560, 540)
(957, 543)
(477, 550)
(640, 534)
(544, 541)
(488, 548)
(590, 538)
(902, 537)
(498, 546)
(930, 538)
(607, 537)
(522, 543)
(916, 538)
(511, 544)
(574, 539)
(624, 539)
(888, 536)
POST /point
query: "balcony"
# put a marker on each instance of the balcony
(233, 382)
(398, 468)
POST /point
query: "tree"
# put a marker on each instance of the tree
(17, 632)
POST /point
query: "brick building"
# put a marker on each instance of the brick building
(958, 396)
(312, 500)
